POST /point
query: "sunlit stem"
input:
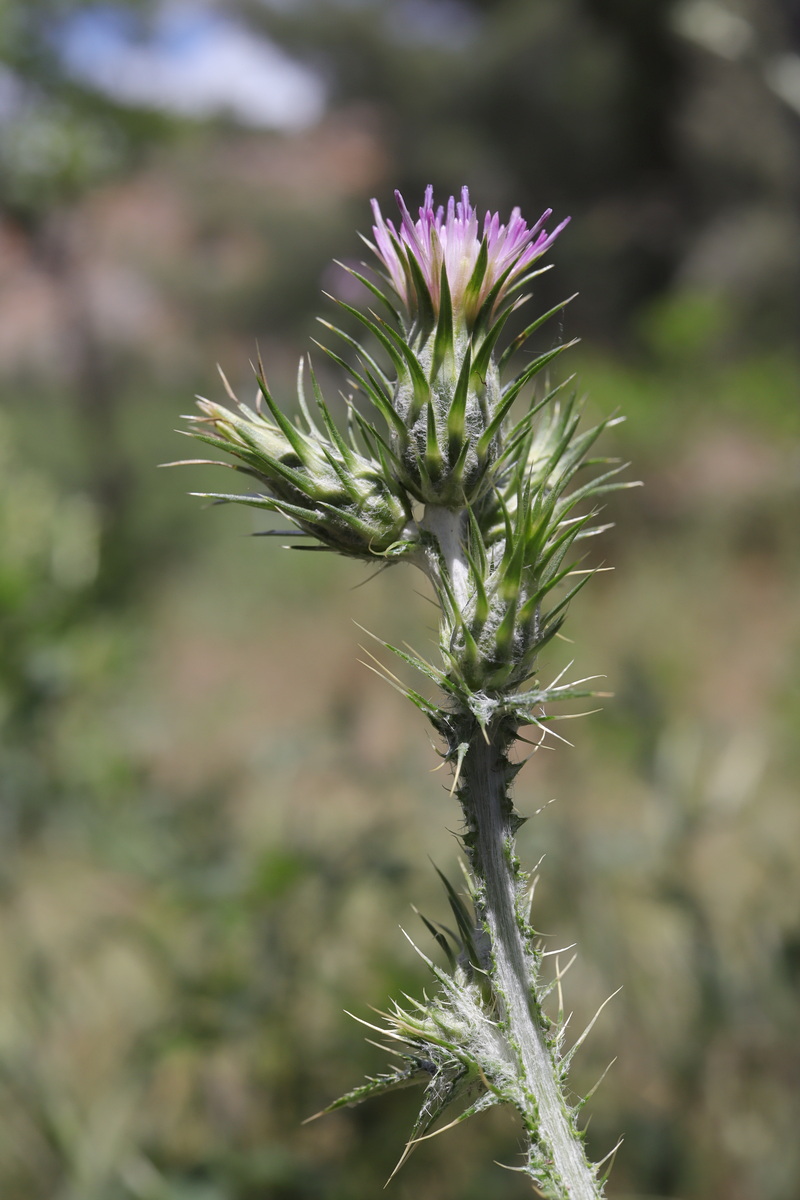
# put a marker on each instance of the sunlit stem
(447, 526)
(483, 790)
(489, 840)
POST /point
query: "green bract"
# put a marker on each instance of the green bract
(319, 480)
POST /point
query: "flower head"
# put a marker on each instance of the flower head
(479, 264)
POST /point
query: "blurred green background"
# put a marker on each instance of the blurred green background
(213, 819)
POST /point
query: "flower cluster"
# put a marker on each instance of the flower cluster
(496, 525)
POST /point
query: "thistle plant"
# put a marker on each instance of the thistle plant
(486, 483)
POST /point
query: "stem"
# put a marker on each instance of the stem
(447, 526)
(490, 842)
(556, 1158)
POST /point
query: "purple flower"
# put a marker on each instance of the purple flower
(453, 239)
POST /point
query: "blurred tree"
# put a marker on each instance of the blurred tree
(59, 141)
(592, 106)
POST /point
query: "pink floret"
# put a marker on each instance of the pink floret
(453, 237)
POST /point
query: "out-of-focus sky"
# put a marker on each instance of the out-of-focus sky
(193, 60)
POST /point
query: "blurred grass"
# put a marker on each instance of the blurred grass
(213, 820)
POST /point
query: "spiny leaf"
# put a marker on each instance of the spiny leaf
(356, 345)
(425, 314)
(375, 329)
(482, 359)
(373, 1087)
(439, 938)
(376, 291)
(521, 338)
(516, 385)
(473, 289)
(458, 407)
(419, 383)
(433, 455)
(466, 924)
(443, 340)
(347, 456)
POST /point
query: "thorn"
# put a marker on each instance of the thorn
(389, 675)
(422, 596)
(461, 751)
(385, 1049)
(573, 716)
(427, 1136)
(520, 1170)
(592, 1090)
(560, 675)
(421, 953)
(227, 386)
(541, 810)
(464, 869)
(195, 462)
(417, 654)
(589, 1027)
(298, 533)
(562, 950)
(590, 571)
(368, 1025)
(383, 567)
(322, 1112)
(569, 964)
(585, 679)
(401, 1160)
(552, 732)
(559, 990)
(610, 1154)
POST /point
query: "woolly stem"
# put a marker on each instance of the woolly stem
(557, 1154)
(556, 1158)
(447, 526)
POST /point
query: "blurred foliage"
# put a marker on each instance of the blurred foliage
(212, 819)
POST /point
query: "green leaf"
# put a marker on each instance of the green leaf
(443, 344)
(376, 291)
(425, 313)
(422, 391)
(433, 455)
(363, 355)
(473, 289)
(456, 416)
(376, 330)
(482, 359)
(513, 388)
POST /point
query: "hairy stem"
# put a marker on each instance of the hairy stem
(490, 843)
(556, 1156)
(447, 526)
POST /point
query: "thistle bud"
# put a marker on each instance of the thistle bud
(316, 478)
(517, 552)
(457, 284)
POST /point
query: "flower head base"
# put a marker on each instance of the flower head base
(447, 250)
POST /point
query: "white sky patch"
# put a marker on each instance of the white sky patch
(783, 76)
(714, 26)
(194, 62)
